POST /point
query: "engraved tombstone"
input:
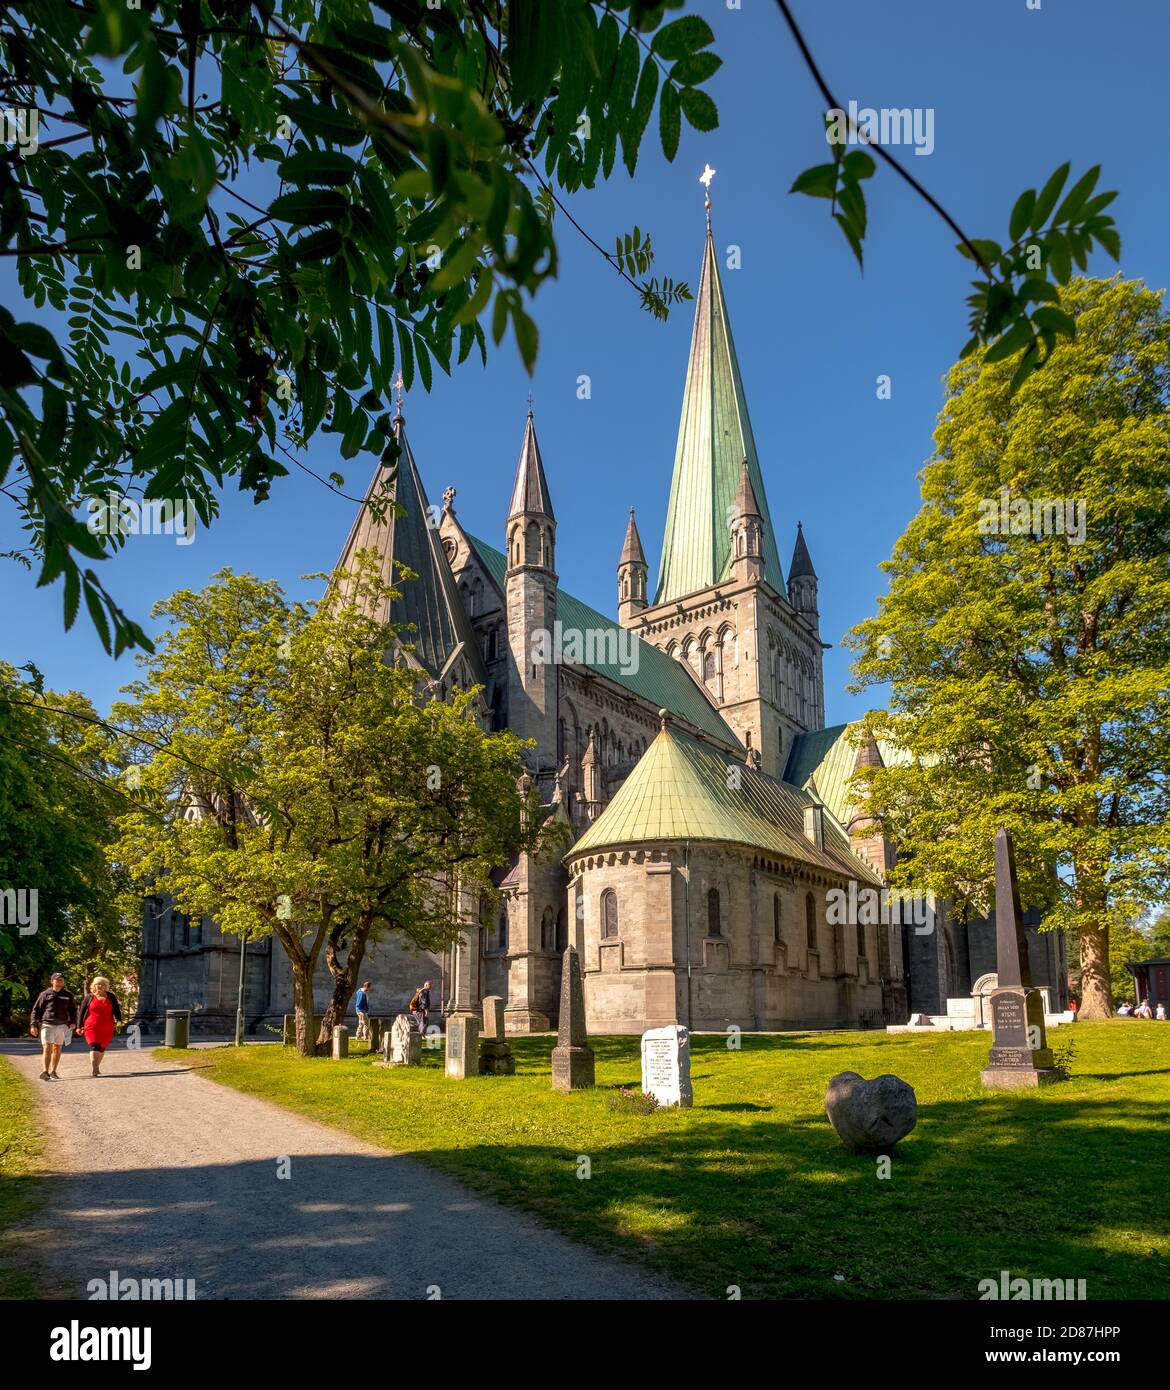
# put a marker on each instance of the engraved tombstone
(403, 1043)
(1020, 1055)
(340, 1042)
(495, 1056)
(666, 1065)
(462, 1057)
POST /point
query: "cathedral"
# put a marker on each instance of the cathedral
(706, 818)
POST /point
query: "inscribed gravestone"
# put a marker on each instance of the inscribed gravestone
(666, 1065)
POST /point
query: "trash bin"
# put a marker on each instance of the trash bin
(178, 1028)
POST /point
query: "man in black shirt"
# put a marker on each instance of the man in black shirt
(54, 1016)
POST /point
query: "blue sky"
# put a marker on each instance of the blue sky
(1014, 91)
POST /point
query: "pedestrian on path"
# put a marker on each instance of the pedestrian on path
(54, 1016)
(420, 1006)
(100, 1013)
(361, 1004)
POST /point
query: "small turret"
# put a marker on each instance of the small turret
(802, 579)
(747, 532)
(631, 576)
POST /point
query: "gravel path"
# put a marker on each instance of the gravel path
(159, 1173)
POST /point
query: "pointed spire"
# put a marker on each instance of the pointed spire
(632, 553)
(802, 565)
(428, 606)
(745, 499)
(714, 440)
(530, 494)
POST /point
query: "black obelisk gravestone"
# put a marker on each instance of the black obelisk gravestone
(572, 1058)
(1020, 1055)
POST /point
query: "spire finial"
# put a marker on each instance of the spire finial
(398, 386)
(530, 398)
(705, 179)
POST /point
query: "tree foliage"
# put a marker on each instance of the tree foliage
(1030, 666)
(297, 784)
(57, 809)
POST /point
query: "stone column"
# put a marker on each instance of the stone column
(465, 954)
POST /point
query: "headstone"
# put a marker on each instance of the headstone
(375, 1038)
(666, 1065)
(870, 1116)
(572, 1058)
(340, 1042)
(401, 1044)
(462, 1059)
(289, 1033)
(1020, 1055)
(495, 1056)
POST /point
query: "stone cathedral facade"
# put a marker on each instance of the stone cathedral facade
(707, 811)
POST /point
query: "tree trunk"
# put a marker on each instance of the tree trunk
(303, 997)
(1096, 988)
(344, 976)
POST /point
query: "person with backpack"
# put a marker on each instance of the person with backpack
(100, 1014)
(361, 1004)
(420, 1006)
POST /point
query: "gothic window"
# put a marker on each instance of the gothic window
(714, 927)
(502, 929)
(860, 941)
(709, 667)
(562, 930)
(532, 546)
(810, 921)
(449, 547)
(609, 914)
(548, 929)
(776, 935)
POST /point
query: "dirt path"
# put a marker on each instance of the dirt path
(159, 1173)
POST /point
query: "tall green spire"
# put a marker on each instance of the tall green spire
(714, 440)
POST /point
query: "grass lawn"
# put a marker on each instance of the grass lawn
(751, 1187)
(21, 1152)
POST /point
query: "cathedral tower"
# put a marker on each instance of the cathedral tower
(721, 604)
(530, 593)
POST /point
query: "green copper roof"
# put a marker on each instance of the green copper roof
(429, 607)
(660, 679)
(683, 790)
(714, 438)
(829, 757)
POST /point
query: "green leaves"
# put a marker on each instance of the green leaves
(669, 120)
(840, 182)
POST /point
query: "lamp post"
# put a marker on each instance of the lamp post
(240, 992)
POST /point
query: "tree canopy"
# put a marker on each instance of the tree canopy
(1026, 631)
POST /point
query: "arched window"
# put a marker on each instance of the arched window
(714, 927)
(562, 930)
(609, 914)
(860, 941)
(810, 921)
(776, 935)
(502, 932)
(708, 667)
(548, 930)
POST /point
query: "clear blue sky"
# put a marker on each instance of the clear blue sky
(1015, 92)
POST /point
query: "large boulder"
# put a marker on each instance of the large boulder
(870, 1116)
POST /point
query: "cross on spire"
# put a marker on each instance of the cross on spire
(398, 385)
(705, 179)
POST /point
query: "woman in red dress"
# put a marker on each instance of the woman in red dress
(100, 1011)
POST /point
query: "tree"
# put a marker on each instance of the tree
(406, 162)
(57, 809)
(301, 785)
(1026, 631)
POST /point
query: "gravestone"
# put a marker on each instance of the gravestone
(462, 1059)
(870, 1116)
(340, 1042)
(572, 1058)
(495, 1056)
(666, 1065)
(1020, 1055)
(375, 1038)
(401, 1043)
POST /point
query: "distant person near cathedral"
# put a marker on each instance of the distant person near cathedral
(420, 1005)
(361, 1004)
(1126, 1010)
(1160, 1013)
(54, 1016)
(1143, 1010)
(99, 1016)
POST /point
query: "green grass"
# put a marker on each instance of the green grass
(751, 1186)
(21, 1187)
